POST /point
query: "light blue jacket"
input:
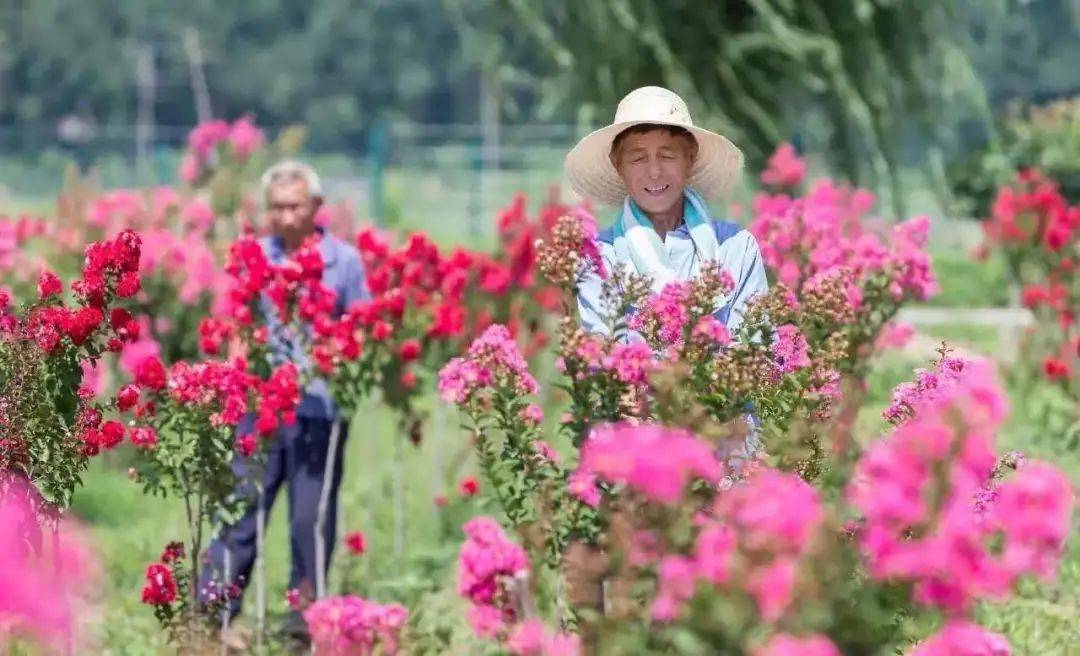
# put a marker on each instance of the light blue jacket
(739, 255)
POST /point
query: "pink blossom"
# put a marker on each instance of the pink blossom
(656, 461)
(245, 137)
(712, 331)
(533, 638)
(785, 168)
(1033, 510)
(95, 377)
(961, 553)
(489, 567)
(493, 359)
(546, 452)
(40, 593)
(460, 377)
(205, 136)
(894, 335)
(675, 586)
(533, 414)
(714, 551)
(664, 315)
(963, 638)
(826, 230)
(928, 386)
(783, 644)
(197, 215)
(773, 510)
(351, 625)
(582, 485)
(773, 587)
(142, 349)
(790, 349)
(190, 169)
(631, 362)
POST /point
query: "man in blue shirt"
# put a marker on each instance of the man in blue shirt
(297, 457)
(658, 168)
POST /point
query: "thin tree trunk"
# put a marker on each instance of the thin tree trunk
(399, 494)
(324, 503)
(260, 569)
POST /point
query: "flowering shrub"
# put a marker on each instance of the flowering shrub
(822, 247)
(812, 545)
(186, 431)
(49, 426)
(1037, 232)
(768, 549)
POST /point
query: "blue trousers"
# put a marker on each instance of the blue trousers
(296, 458)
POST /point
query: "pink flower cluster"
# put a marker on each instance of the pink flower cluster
(533, 638)
(664, 317)
(655, 461)
(928, 385)
(894, 335)
(631, 362)
(154, 209)
(785, 168)
(916, 491)
(38, 591)
(227, 390)
(790, 349)
(490, 570)
(186, 261)
(756, 535)
(353, 626)
(14, 234)
(826, 229)
(493, 360)
(960, 638)
(242, 136)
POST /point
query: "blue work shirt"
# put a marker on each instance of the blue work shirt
(343, 271)
(739, 255)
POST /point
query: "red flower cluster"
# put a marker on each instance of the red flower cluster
(111, 271)
(160, 588)
(227, 390)
(1038, 233)
(1032, 211)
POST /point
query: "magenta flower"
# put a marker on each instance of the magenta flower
(963, 638)
(657, 462)
(352, 625)
(790, 349)
(488, 566)
(785, 168)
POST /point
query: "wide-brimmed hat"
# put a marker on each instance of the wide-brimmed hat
(589, 169)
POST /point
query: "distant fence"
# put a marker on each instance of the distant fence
(447, 179)
(452, 177)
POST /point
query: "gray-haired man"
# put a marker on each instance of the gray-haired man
(298, 455)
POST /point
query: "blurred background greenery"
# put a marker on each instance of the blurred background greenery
(437, 110)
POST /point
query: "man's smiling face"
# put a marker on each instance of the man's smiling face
(654, 165)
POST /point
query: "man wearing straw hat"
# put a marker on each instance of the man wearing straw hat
(657, 167)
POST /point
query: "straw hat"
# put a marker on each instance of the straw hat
(589, 169)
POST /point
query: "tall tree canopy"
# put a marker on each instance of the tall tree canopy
(752, 68)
